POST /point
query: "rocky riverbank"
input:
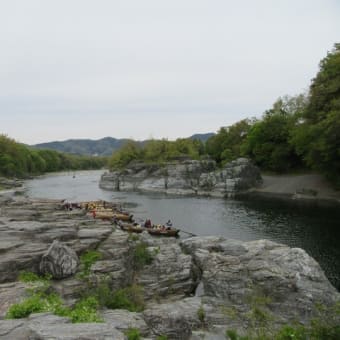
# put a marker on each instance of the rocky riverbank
(239, 178)
(189, 289)
(188, 177)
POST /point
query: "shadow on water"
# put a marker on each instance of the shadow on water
(314, 229)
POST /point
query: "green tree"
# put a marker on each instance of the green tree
(268, 140)
(225, 146)
(317, 137)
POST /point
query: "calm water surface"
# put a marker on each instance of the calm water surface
(315, 230)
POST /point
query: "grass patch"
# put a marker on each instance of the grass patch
(87, 260)
(141, 256)
(86, 310)
(130, 298)
(132, 334)
(29, 277)
(37, 303)
(201, 314)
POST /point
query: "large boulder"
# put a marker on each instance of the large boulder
(288, 280)
(174, 319)
(172, 272)
(60, 261)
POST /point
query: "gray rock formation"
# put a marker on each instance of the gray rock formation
(185, 178)
(233, 278)
(60, 261)
(46, 326)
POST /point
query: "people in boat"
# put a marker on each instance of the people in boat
(147, 223)
(169, 223)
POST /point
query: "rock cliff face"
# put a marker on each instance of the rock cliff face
(185, 178)
(193, 287)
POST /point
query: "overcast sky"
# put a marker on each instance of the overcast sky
(153, 68)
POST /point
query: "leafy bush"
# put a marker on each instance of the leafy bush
(290, 333)
(133, 334)
(38, 302)
(88, 259)
(141, 256)
(162, 337)
(130, 298)
(201, 314)
(26, 276)
(84, 311)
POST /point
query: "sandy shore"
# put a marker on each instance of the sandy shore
(304, 187)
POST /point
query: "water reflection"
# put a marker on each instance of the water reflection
(315, 230)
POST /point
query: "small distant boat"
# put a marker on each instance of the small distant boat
(166, 231)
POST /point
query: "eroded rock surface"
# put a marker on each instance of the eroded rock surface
(232, 277)
(189, 177)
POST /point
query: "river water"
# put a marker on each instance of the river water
(315, 230)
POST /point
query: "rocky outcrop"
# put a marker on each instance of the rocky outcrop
(47, 326)
(60, 261)
(185, 178)
(193, 287)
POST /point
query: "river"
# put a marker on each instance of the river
(315, 230)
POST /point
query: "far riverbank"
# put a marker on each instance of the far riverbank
(310, 189)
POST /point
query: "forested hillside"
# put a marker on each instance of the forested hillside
(18, 160)
(101, 147)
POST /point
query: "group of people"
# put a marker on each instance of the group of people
(148, 224)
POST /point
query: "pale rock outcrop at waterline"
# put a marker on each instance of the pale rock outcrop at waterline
(189, 177)
(230, 273)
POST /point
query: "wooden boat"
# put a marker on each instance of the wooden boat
(112, 215)
(122, 216)
(131, 228)
(102, 215)
(160, 231)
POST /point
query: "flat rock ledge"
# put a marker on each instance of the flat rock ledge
(196, 287)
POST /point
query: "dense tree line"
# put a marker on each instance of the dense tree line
(297, 132)
(17, 160)
(157, 151)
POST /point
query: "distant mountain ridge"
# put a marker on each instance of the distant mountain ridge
(101, 147)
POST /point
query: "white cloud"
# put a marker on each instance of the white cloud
(166, 68)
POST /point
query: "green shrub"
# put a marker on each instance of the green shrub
(84, 311)
(26, 276)
(292, 333)
(38, 302)
(133, 237)
(201, 314)
(162, 337)
(141, 256)
(232, 335)
(133, 334)
(130, 298)
(87, 260)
